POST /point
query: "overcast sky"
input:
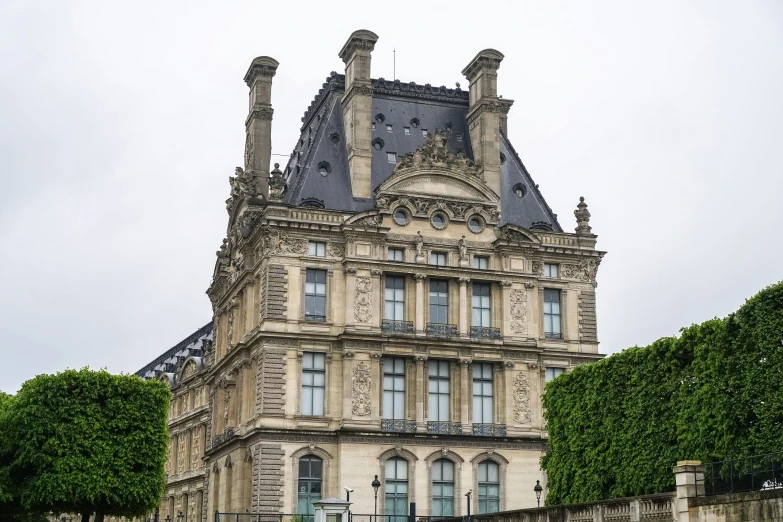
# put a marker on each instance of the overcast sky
(121, 122)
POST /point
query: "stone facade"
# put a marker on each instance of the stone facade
(302, 290)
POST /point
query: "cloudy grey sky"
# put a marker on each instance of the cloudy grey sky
(121, 122)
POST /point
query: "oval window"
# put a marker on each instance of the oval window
(475, 225)
(401, 217)
(438, 221)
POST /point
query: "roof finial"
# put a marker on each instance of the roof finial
(582, 218)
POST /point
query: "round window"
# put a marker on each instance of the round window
(439, 220)
(520, 190)
(401, 217)
(475, 224)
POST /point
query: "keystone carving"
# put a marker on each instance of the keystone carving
(521, 399)
(361, 390)
(362, 311)
(519, 311)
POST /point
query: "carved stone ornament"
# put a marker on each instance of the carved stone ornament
(538, 268)
(362, 311)
(368, 221)
(190, 370)
(244, 183)
(248, 150)
(336, 249)
(519, 311)
(361, 390)
(196, 449)
(582, 218)
(276, 184)
(521, 399)
(435, 154)
(226, 406)
(585, 270)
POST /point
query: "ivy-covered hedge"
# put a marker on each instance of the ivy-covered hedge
(617, 426)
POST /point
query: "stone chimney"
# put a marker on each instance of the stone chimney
(357, 109)
(258, 125)
(486, 113)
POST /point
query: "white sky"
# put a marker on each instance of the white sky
(121, 122)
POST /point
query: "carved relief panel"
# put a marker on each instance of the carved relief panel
(361, 390)
(519, 311)
(521, 392)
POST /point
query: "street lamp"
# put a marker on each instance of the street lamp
(468, 494)
(538, 489)
(168, 518)
(179, 516)
(375, 485)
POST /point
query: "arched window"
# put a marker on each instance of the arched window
(489, 487)
(396, 489)
(443, 488)
(310, 480)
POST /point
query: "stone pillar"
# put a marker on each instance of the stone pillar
(419, 302)
(484, 114)
(357, 109)
(258, 126)
(422, 379)
(466, 385)
(564, 313)
(689, 479)
(378, 296)
(464, 307)
(505, 309)
(350, 284)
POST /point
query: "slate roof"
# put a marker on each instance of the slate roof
(170, 360)
(419, 108)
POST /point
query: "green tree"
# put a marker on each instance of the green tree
(89, 442)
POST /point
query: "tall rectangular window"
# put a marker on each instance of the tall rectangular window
(552, 319)
(443, 488)
(393, 388)
(489, 487)
(482, 311)
(315, 295)
(439, 389)
(394, 309)
(439, 301)
(396, 487)
(481, 262)
(316, 248)
(313, 383)
(551, 373)
(396, 254)
(438, 259)
(483, 400)
(550, 270)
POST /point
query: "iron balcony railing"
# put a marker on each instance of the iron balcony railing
(262, 517)
(398, 426)
(754, 473)
(397, 327)
(224, 437)
(441, 330)
(484, 332)
(489, 430)
(315, 318)
(444, 428)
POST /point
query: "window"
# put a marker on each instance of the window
(552, 326)
(439, 302)
(459, 137)
(551, 373)
(395, 299)
(475, 224)
(550, 270)
(315, 295)
(392, 157)
(373, 126)
(396, 254)
(424, 132)
(482, 315)
(483, 403)
(443, 488)
(313, 379)
(439, 220)
(310, 484)
(439, 391)
(396, 488)
(407, 131)
(314, 248)
(394, 388)
(388, 128)
(481, 262)
(489, 487)
(401, 217)
(438, 259)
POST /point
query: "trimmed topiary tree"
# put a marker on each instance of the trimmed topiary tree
(89, 442)
(616, 427)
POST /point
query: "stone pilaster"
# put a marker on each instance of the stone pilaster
(464, 306)
(689, 480)
(420, 302)
(258, 126)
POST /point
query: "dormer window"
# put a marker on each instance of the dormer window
(389, 128)
(392, 157)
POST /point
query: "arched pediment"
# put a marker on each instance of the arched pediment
(516, 234)
(437, 183)
(168, 378)
(365, 219)
(190, 367)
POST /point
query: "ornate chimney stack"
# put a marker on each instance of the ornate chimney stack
(258, 126)
(486, 114)
(357, 109)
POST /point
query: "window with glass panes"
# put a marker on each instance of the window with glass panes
(483, 400)
(552, 320)
(316, 248)
(443, 488)
(481, 262)
(313, 379)
(438, 259)
(396, 254)
(315, 295)
(310, 482)
(489, 487)
(394, 309)
(396, 489)
(393, 388)
(481, 305)
(551, 373)
(550, 270)
(439, 301)
(439, 389)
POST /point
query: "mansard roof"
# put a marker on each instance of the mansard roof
(171, 359)
(321, 146)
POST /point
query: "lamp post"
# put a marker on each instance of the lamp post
(168, 518)
(375, 485)
(538, 489)
(179, 516)
(468, 494)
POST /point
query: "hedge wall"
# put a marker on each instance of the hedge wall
(616, 427)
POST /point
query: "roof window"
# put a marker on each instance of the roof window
(389, 128)
(502, 158)
(415, 123)
(424, 132)
(335, 137)
(380, 118)
(459, 137)
(392, 157)
(324, 168)
(377, 144)
(520, 190)
(407, 131)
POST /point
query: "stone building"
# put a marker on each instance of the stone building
(390, 302)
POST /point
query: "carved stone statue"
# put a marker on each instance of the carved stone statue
(276, 184)
(582, 218)
(226, 405)
(419, 244)
(463, 250)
